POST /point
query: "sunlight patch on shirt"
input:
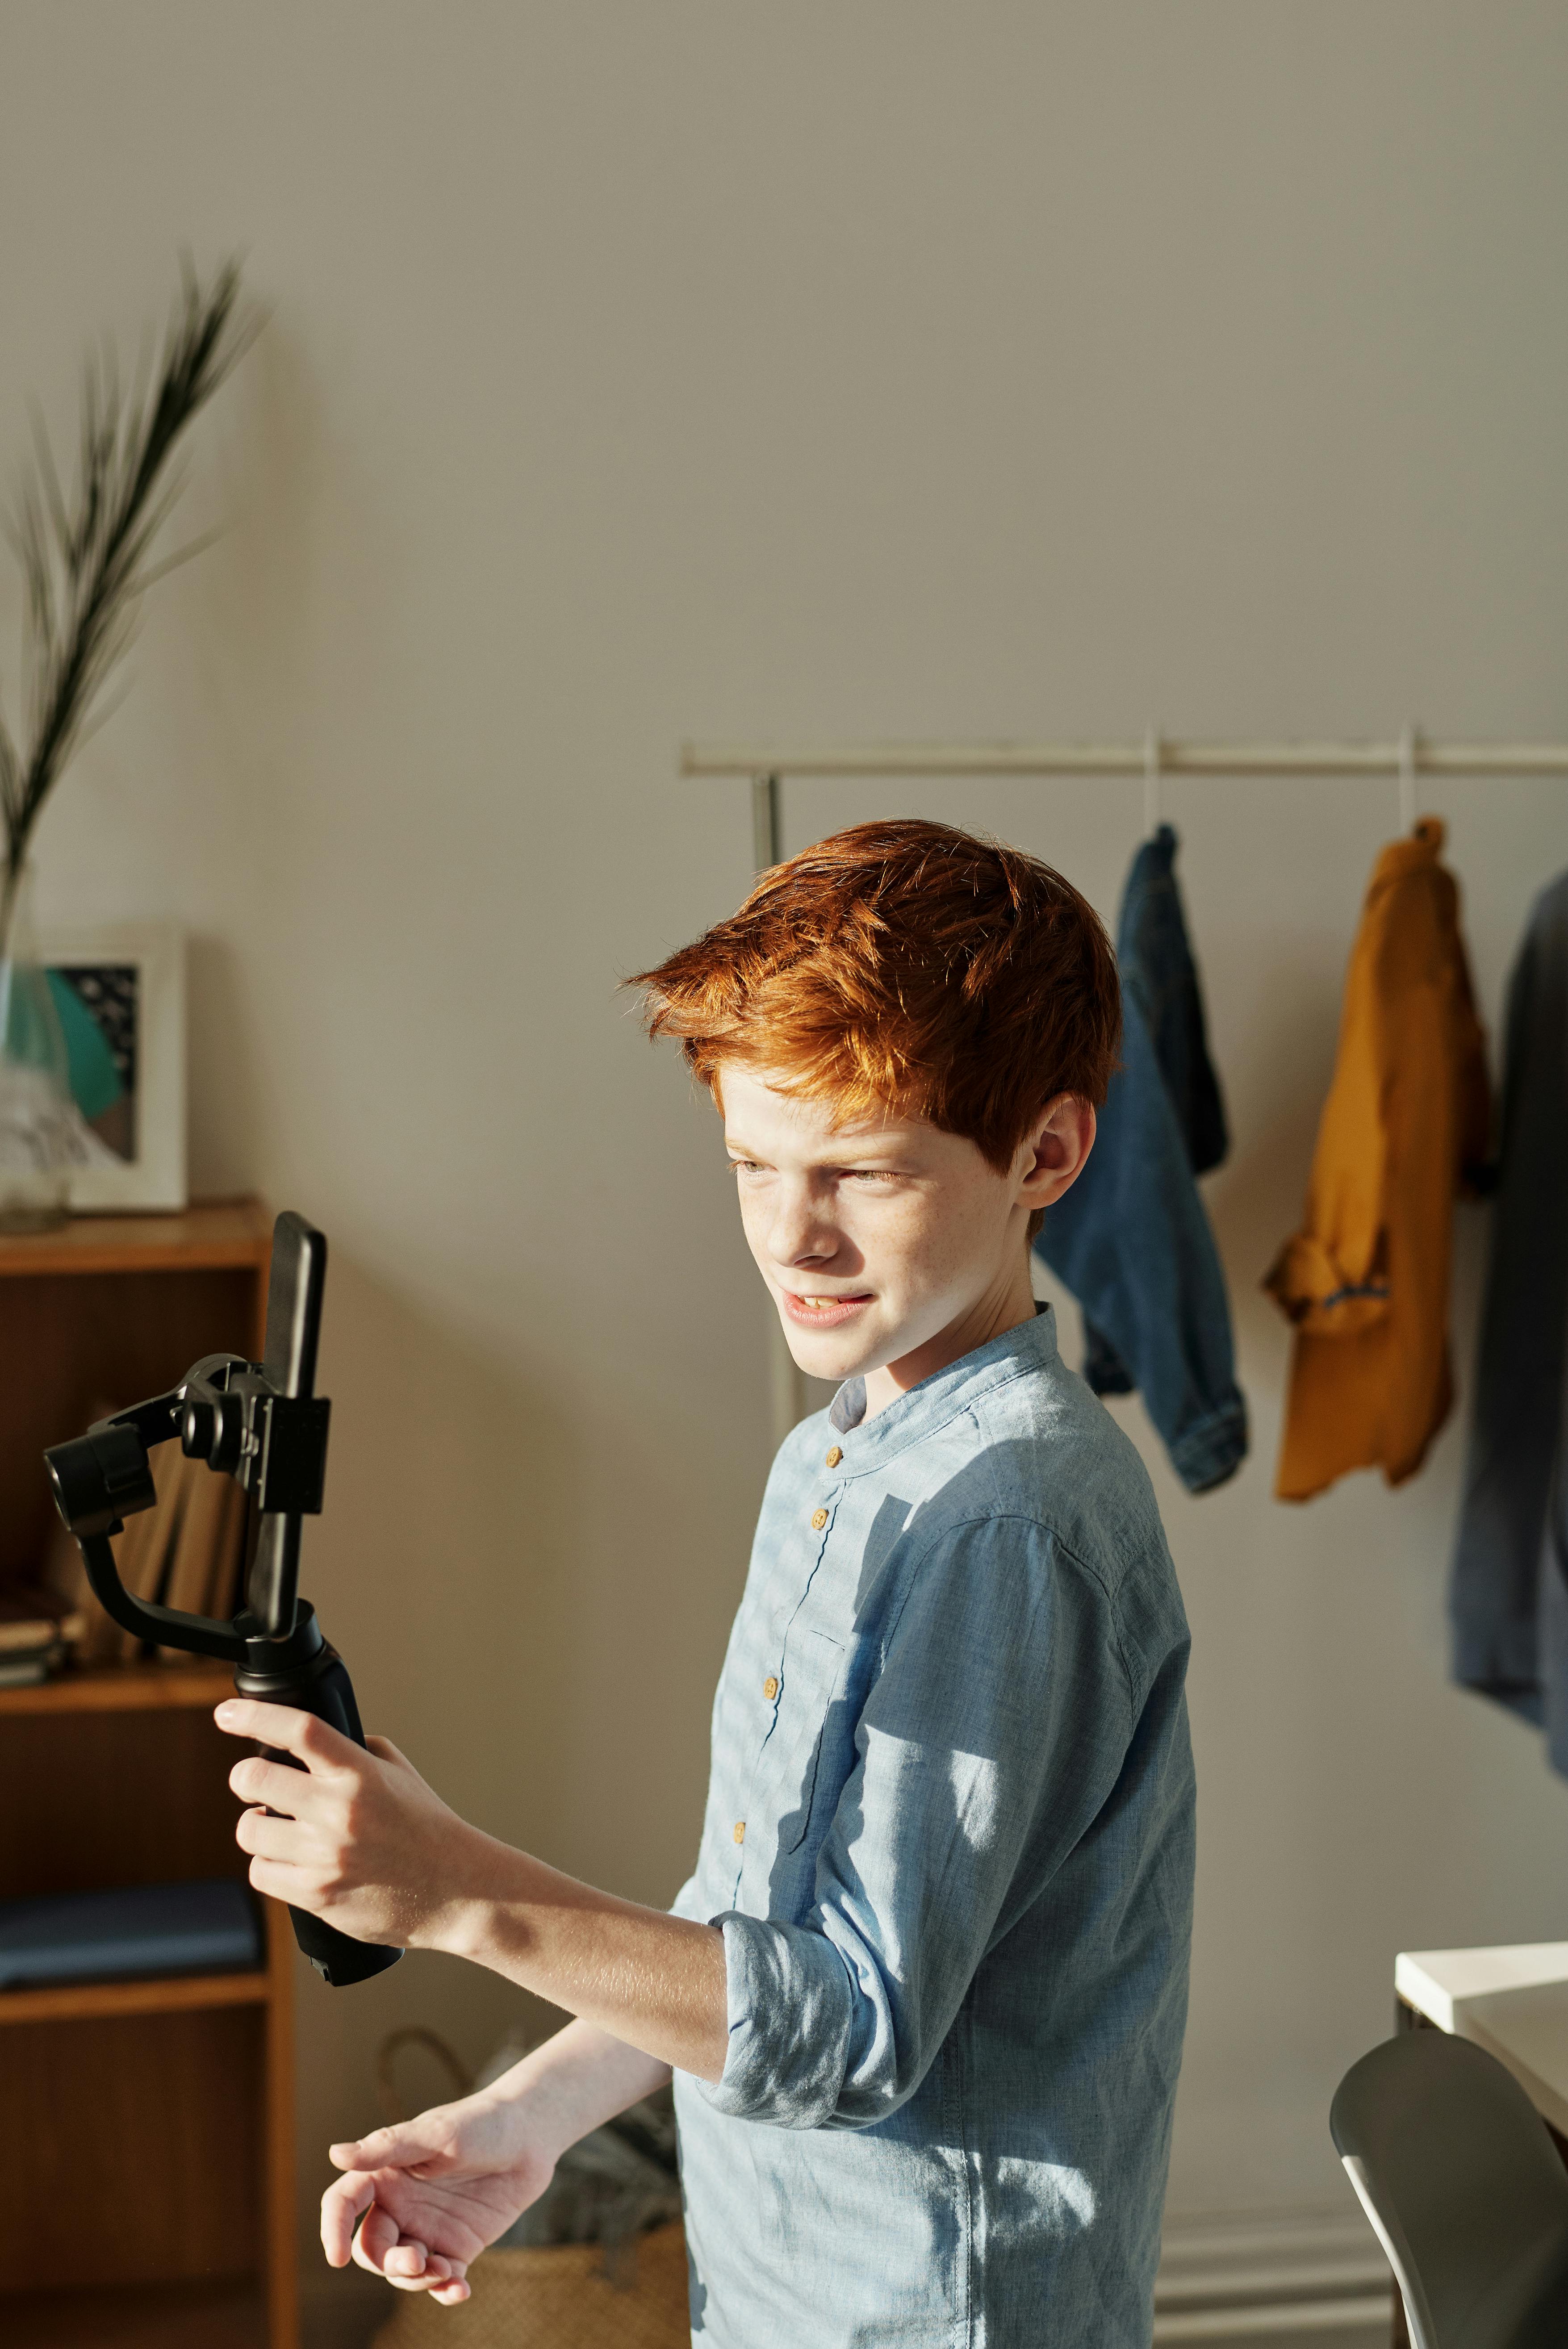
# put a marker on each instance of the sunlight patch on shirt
(1022, 2192)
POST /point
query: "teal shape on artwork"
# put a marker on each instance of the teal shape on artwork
(94, 1078)
(30, 1034)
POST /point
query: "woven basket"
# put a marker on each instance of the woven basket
(558, 2297)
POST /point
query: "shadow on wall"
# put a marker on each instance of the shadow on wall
(282, 643)
(1257, 1196)
(224, 1072)
(440, 1569)
(446, 1546)
(288, 623)
(561, 1707)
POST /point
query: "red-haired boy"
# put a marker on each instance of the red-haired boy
(923, 1997)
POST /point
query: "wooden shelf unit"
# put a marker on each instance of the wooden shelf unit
(162, 1994)
(110, 1688)
(138, 2316)
(147, 2161)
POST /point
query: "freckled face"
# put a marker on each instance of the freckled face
(873, 1238)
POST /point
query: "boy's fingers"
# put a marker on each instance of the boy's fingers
(319, 1746)
(400, 2146)
(380, 2246)
(436, 2276)
(375, 2240)
(295, 1886)
(340, 2207)
(266, 1837)
(289, 1792)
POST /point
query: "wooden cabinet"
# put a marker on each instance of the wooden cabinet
(146, 2128)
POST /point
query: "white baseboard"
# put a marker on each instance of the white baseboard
(1229, 2276)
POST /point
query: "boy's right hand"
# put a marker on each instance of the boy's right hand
(428, 2195)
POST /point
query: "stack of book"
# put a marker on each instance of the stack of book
(37, 1630)
(184, 1553)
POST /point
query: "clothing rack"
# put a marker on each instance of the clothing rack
(1152, 757)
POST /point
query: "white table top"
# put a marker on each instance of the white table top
(1512, 2001)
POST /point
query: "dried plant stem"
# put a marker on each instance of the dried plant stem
(85, 562)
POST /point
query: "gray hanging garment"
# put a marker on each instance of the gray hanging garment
(1509, 1597)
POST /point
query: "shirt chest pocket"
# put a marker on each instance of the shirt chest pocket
(812, 1668)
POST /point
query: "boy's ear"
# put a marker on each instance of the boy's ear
(1055, 1149)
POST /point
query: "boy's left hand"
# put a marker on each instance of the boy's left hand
(358, 1837)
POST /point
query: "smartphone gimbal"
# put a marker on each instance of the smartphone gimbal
(261, 1423)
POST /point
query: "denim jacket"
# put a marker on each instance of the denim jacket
(1158, 969)
(1131, 1238)
(1509, 1599)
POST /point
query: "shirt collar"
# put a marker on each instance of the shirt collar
(919, 1412)
(848, 1408)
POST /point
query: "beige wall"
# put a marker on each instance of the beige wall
(841, 370)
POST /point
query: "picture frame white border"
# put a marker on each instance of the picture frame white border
(156, 1177)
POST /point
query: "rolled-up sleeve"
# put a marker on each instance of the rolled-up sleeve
(993, 1728)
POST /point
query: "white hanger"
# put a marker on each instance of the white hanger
(1407, 777)
(1151, 769)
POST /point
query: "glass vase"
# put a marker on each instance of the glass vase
(37, 1124)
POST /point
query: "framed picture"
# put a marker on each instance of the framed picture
(120, 997)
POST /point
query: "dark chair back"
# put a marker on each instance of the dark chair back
(1465, 2192)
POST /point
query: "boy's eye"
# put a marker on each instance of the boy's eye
(850, 1173)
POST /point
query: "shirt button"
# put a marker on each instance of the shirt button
(740, 1830)
(818, 1519)
(770, 1687)
(834, 1456)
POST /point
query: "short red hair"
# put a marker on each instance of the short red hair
(907, 965)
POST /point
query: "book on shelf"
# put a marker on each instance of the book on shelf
(28, 1670)
(32, 1616)
(203, 1551)
(209, 1925)
(37, 1628)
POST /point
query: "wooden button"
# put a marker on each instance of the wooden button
(834, 1456)
(818, 1519)
(770, 1687)
(740, 1830)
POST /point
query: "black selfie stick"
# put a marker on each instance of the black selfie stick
(261, 1423)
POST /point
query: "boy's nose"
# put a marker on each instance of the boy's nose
(799, 1234)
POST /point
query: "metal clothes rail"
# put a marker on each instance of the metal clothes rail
(1412, 753)
(1153, 756)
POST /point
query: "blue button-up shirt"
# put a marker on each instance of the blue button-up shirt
(950, 1841)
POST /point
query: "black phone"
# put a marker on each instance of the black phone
(263, 1424)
